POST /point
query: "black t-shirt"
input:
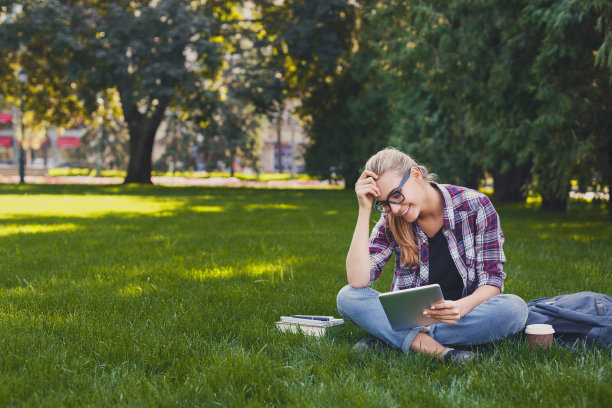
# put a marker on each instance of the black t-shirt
(442, 268)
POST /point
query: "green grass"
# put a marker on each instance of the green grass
(147, 295)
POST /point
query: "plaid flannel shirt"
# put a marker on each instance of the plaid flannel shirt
(475, 239)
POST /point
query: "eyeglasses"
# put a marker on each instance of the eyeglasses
(394, 197)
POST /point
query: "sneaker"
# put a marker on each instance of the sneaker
(461, 356)
(368, 343)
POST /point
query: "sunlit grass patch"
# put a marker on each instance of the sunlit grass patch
(253, 207)
(131, 289)
(10, 229)
(207, 208)
(84, 205)
(253, 269)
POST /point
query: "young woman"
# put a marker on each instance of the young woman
(441, 234)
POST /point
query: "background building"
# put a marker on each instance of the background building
(293, 142)
(7, 139)
(51, 147)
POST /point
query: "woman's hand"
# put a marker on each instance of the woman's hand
(446, 311)
(366, 190)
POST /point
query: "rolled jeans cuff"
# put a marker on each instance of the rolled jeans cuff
(410, 338)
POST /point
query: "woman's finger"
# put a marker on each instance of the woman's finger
(366, 182)
(453, 317)
(442, 313)
(364, 192)
(444, 305)
(367, 189)
(445, 312)
(366, 186)
(368, 173)
(446, 319)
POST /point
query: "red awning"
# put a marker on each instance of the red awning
(6, 118)
(68, 142)
(6, 141)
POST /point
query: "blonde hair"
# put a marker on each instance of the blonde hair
(404, 232)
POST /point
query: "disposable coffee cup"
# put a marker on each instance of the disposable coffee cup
(539, 336)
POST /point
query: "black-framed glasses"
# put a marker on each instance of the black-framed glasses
(395, 197)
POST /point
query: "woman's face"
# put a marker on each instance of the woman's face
(410, 208)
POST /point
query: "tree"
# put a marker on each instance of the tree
(434, 58)
(314, 39)
(258, 68)
(573, 96)
(105, 142)
(180, 142)
(514, 88)
(349, 122)
(155, 54)
(238, 124)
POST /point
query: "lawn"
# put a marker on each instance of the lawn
(144, 296)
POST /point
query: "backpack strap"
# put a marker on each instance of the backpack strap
(594, 320)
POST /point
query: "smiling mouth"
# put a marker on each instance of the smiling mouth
(404, 213)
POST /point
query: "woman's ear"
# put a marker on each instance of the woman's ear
(416, 173)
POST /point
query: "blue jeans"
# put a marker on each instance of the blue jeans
(498, 317)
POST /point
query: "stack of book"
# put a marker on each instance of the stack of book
(308, 324)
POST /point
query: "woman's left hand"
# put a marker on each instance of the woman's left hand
(446, 311)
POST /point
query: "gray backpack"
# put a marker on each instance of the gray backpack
(584, 317)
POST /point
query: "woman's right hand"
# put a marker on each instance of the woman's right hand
(366, 190)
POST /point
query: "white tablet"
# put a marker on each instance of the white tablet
(404, 308)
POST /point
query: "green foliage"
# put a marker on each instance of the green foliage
(151, 296)
(179, 140)
(233, 134)
(349, 122)
(573, 97)
(253, 87)
(603, 8)
(344, 115)
(519, 89)
(421, 63)
(105, 141)
(30, 41)
(154, 54)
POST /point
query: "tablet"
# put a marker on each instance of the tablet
(404, 308)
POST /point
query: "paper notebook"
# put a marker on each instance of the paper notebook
(308, 324)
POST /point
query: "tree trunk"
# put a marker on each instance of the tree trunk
(141, 150)
(142, 128)
(350, 173)
(550, 202)
(509, 186)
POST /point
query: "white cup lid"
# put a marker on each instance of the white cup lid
(539, 329)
